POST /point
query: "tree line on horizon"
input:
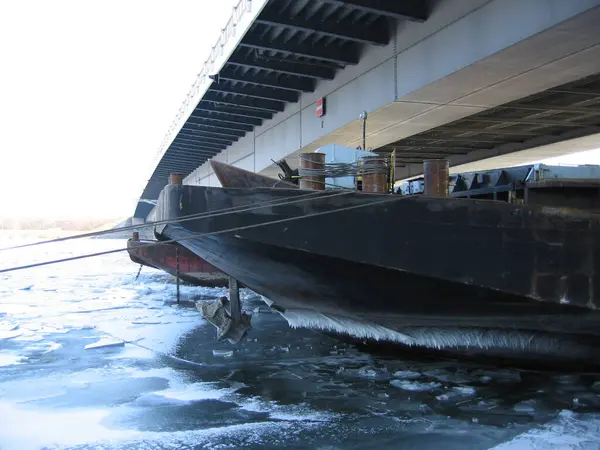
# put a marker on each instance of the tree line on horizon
(11, 223)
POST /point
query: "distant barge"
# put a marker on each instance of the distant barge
(192, 269)
(518, 278)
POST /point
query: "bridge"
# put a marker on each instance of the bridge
(479, 82)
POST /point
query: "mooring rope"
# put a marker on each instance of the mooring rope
(219, 212)
(159, 352)
(212, 233)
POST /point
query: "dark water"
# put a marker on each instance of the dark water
(281, 388)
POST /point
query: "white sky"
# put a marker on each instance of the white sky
(88, 90)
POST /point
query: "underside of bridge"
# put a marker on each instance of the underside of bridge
(431, 90)
(290, 46)
(561, 113)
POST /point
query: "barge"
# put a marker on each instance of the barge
(192, 269)
(513, 278)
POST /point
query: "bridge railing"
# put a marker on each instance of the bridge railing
(196, 91)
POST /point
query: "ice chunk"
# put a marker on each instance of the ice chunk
(407, 375)
(9, 359)
(450, 376)
(375, 373)
(223, 353)
(500, 376)
(415, 385)
(286, 375)
(8, 326)
(457, 392)
(525, 407)
(105, 343)
(10, 334)
(464, 390)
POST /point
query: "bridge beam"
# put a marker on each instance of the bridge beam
(544, 108)
(181, 163)
(193, 159)
(498, 131)
(400, 149)
(415, 10)
(376, 34)
(299, 69)
(457, 140)
(262, 93)
(190, 156)
(220, 124)
(264, 105)
(199, 142)
(525, 121)
(200, 137)
(228, 118)
(242, 112)
(191, 146)
(190, 150)
(347, 55)
(213, 131)
(297, 84)
(175, 167)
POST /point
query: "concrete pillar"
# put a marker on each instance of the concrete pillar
(315, 163)
(437, 174)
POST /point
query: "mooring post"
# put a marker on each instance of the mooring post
(374, 174)
(177, 262)
(234, 300)
(175, 178)
(437, 177)
(313, 164)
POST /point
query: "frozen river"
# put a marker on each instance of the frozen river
(91, 358)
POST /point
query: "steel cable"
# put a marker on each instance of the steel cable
(219, 212)
(368, 165)
(212, 233)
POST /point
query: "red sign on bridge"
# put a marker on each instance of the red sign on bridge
(320, 107)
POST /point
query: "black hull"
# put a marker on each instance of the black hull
(287, 262)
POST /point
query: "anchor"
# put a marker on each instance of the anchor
(226, 315)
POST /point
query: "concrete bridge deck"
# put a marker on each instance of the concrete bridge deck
(462, 79)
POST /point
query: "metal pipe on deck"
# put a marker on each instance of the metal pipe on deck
(315, 165)
(437, 176)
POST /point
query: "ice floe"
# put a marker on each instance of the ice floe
(106, 342)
